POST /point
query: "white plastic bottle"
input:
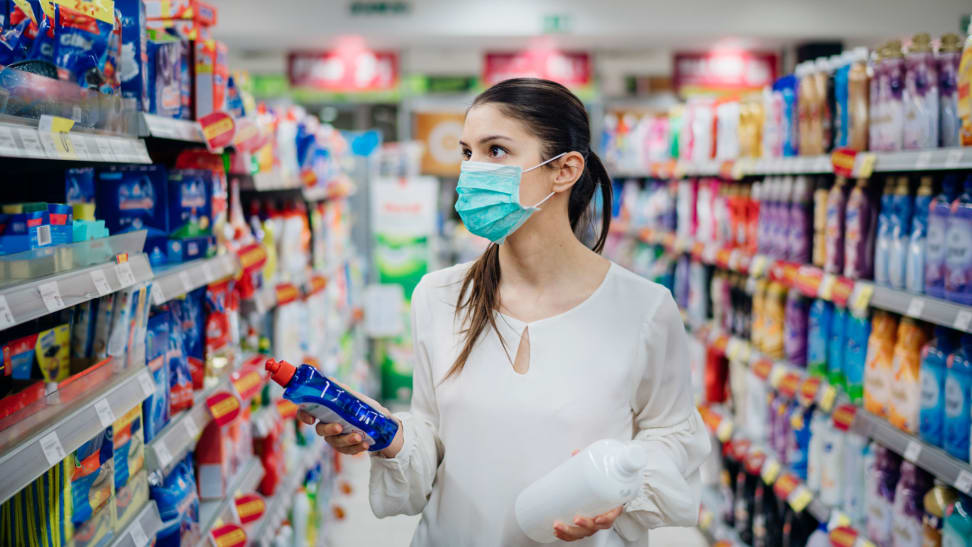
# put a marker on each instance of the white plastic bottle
(605, 475)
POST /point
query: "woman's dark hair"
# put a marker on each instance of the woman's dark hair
(558, 118)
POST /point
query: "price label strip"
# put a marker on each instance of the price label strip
(105, 415)
(30, 145)
(912, 451)
(6, 316)
(953, 158)
(165, 457)
(100, 282)
(8, 146)
(53, 450)
(185, 280)
(137, 533)
(158, 295)
(915, 307)
(962, 320)
(146, 383)
(51, 296)
(126, 277)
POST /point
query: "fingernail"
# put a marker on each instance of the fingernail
(356, 438)
(578, 520)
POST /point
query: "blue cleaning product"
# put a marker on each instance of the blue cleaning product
(178, 504)
(134, 54)
(915, 262)
(135, 198)
(835, 348)
(902, 205)
(931, 416)
(818, 333)
(938, 213)
(329, 402)
(882, 247)
(958, 248)
(787, 87)
(958, 391)
(155, 409)
(858, 331)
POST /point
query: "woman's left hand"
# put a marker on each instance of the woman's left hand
(584, 527)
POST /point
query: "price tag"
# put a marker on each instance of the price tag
(826, 288)
(30, 143)
(51, 296)
(962, 320)
(724, 431)
(192, 429)
(6, 316)
(125, 274)
(771, 470)
(776, 375)
(100, 282)
(103, 144)
(912, 451)
(137, 534)
(105, 414)
(8, 146)
(158, 295)
(139, 151)
(915, 307)
(53, 451)
(924, 160)
(80, 146)
(864, 166)
(964, 481)
(759, 265)
(119, 147)
(800, 498)
(861, 298)
(953, 158)
(165, 457)
(827, 398)
(146, 383)
(186, 282)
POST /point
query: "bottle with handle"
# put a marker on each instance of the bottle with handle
(603, 476)
(330, 402)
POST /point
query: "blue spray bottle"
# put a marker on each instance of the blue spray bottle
(958, 391)
(902, 205)
(327, 401)
(915, 270)
(931, 416)
(836, 348)
(958, 248)
(938, 213)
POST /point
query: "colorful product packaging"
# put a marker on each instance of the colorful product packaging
(92, 477)
(40, 514)
(178, 504)
(190, 203)
(156, 406)
(168, 70)
(129, 443)
(180, 376)
(190, 314)
(134, 198)
(134, 59)
(129, 500)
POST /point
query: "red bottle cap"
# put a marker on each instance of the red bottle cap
(280, 371)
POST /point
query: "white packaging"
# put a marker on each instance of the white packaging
(603, 476)
(831, 460)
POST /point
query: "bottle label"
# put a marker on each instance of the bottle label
(958, 255)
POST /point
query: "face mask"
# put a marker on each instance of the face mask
(489, 198)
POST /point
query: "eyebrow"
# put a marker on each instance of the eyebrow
(488, 138)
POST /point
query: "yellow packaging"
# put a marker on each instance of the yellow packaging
(879, 362)
(964, 86)
(97, 530)
(130, 499)
(129, 441)
(774, 311)
(53, 353)
(40, 514)
(905, 399)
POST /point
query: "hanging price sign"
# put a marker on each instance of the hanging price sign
(841, 293)
(789, 384)
(762, 368)
(286, 293)
(808, 390)
(224, 407)
(218, 129)
(229, 535)
(250, 507)
(785, 485)
(808, 280)
(843, 536)
(843, 160)
(844, 416)
(317, 284)
(246, 382)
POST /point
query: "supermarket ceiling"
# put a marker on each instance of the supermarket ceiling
(598, 25)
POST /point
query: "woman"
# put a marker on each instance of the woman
(537, 349)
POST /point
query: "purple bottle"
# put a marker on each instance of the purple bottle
(958, 248)
(799, 242)
(882, 480)
(949, 55)
(938, 212)
(859, 228)
(836, 206)
(783, 218)
(779, 428)
(893, 97)
(795, 328)
(920, 95)
(908, 509)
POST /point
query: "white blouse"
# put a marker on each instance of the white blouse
(614, 366)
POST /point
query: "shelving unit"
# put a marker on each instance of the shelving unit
(212, 513)
(169, 128)
(23, 141)
(179, 436)
(142, 529)
(178, 280)
(39, 441)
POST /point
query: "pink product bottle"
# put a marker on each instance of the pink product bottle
(920, 95)
(836, 205)
(799, 242)
(949, 55)
(894, 97)
(859, 233)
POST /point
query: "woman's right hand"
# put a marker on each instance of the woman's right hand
(352, 443)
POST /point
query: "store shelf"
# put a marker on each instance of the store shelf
(222, 511)
(22, 141)
(141, 531)
(930, 458)
(179, 436)
(170, 128)
(42, 439)
(178, 280)
(926, 308)
(262, 531)
(25, 301)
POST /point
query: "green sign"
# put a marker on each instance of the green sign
(556, 23)
(380, 8)
(450, 84)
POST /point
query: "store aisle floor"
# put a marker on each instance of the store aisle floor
(362, 529)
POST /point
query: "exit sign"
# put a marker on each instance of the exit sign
(556, 23)
(380, 8)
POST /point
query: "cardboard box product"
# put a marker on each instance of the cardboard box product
(134, 58)
(134, 198)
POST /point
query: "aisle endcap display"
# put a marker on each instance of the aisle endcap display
(46, 437)
(214, 513)
(143, 527)
(29, 300)
(178, 280)
(21, 141)
(162, 127)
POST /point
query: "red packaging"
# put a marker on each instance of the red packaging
(716, 376)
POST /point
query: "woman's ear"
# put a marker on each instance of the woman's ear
(569, 169)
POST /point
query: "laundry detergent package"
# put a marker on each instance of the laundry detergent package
(129, 442)
(191, 248)
(168, 58)
(134, 57)
(155, 409)
(190, 203)
(130, 499)
(180, 376)
(210, 73)
(178, 505)
(134, 198)
(190, 314)
(45, 355)
(83, 45)
(92, 477)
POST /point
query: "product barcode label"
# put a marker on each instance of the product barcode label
(100, 282)
(105, 414)
(912, 451)
(53, 451)
(962, 320)
(138, 534)
(146, 383)
(923, 160)
(8, 146)
(6, 316)
(158, 295)
(915, 307)
(953, 158)
(964, 481)
(125, 275)
(165, 457)
(30, 143)
(43, 235)
(186, 282)
(51, 296)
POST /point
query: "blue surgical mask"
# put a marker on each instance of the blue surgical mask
(489, 198)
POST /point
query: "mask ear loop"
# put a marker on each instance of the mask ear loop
(551, 194)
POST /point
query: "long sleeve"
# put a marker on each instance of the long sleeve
(402, 485)
(670, 429)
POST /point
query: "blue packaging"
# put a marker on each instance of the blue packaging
(882, 245)
(835, 348)
(180, 377)
(184, 250)
(135, 198)
(190, 203)
(915, 274)
(155, 409)
(798, 439)
(858, 330)
(134, 53)
(166, 58)
(190, 314)
(902, 207)
(842, 116)
(934, 357)
(93, 477)
(958, 248)
(82, 47)
(79, 185)
(818, 335)
(35, 237)
(787, 87)
(958, 406)
(178, 505)
(936, 246)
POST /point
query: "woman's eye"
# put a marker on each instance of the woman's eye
(466, 154)
(496, 152)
